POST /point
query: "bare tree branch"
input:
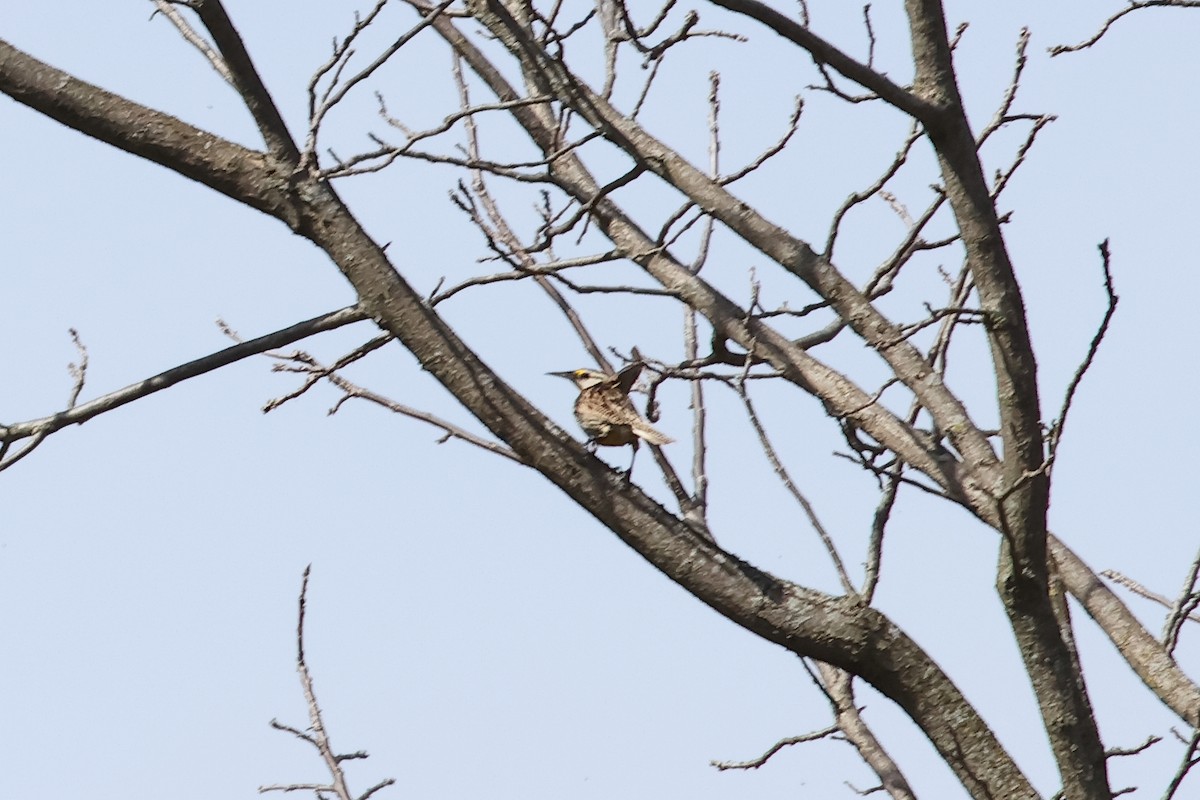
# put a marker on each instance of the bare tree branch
(1182, 609)
(1024, 574)
(1005, 485)
(787, 741)
(1189, 760)
(1129, 583)
(189, 34)
(1143, 652)
(823, 52)
(1134, 5)
(245, 78)
(785, 478)
(317, 734)
(839, 690)
(794, 255)
(304, 363)
(1056, 429)
(39, 429)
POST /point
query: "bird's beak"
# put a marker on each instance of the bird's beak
(569, 375)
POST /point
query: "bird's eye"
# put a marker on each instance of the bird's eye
(581, 373)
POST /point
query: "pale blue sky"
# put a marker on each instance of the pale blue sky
(469, 627)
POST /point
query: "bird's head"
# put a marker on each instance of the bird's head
(583, 378)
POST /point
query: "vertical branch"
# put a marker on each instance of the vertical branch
(316, 734)
(690, 334)
(883, 513)
(1182, 608)
(78, 371)
(1056, 430)
(691, 351)
(609, 13)
(316, 722)
(1023, 576)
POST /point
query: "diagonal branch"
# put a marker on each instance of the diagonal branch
(823, 52)
(838, 687)
(189, 34)
(1140, 649)
(39, 429)
(246, 79)
(785, 478)
(1156, 669)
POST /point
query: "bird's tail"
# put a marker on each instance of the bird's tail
(644, 431)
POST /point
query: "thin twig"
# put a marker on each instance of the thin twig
(521, 271)
(1121, 752)
(1186, 764)
(690, 327)
(764, 440)
(314, 371)
(1056, 430)
(1133, 6)
(1010, 93)
(334, 96)
(914, 134)
(304, 363)
(770, 151)
(510, 239)
(189, 34)
(788, 741)
(78, 371)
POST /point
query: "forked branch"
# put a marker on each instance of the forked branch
(316, 734)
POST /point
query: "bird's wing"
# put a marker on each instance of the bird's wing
(627, 377)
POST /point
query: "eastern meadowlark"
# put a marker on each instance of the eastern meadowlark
(605, 412)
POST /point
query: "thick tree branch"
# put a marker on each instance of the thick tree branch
(245, 175)
(1023, 580)
(1144, 653)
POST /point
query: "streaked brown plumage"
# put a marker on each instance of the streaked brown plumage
(605, 412)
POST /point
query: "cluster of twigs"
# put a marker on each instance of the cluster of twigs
(907, 431)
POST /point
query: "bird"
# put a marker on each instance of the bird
(605, 413)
